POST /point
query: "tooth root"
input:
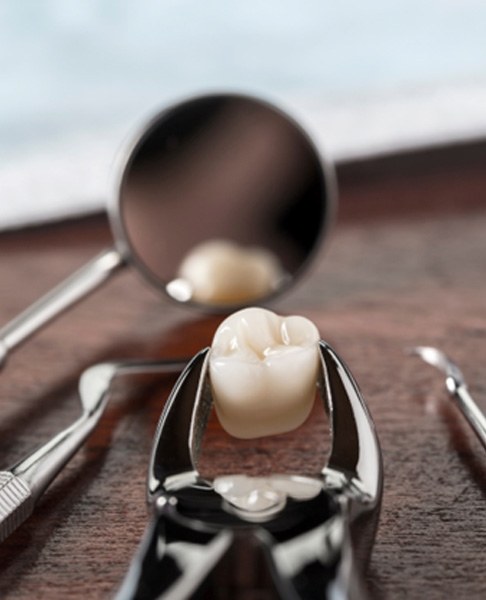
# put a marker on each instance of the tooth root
(263, 371)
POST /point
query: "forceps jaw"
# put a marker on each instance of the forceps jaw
(352, 478)
(177, 440)
(355, 459)
(355, 466)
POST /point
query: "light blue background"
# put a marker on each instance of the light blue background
(92, 67)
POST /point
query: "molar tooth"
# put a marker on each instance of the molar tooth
(263, 371)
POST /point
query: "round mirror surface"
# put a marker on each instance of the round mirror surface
(222, 201)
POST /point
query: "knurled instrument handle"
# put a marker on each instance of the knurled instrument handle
(16, 503)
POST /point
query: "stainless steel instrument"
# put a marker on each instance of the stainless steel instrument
(457, 388)
(304, 536)
(23, 484)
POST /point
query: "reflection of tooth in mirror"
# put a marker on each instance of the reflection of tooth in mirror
(263, 372)
(223, 272)
(223, 167)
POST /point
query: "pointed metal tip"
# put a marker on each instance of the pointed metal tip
(436, 358)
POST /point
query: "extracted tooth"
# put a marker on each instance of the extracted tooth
(222, 272)
(263, 371)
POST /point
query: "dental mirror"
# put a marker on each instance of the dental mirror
(221, 200)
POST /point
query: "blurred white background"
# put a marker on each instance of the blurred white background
(364, 77)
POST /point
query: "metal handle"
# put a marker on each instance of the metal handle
(62, 297)
(21, 486)
(16, 503)
(41, 467)
(471, 412)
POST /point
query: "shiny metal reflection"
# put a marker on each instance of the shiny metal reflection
(457, 388)
(22, 485)
(311, 536)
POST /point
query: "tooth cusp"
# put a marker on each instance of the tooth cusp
(263, 372)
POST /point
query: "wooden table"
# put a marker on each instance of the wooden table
(406, 265)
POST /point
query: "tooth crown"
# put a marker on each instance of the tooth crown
(263, 371)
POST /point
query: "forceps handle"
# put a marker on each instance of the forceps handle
(63, 296)
(471, 412)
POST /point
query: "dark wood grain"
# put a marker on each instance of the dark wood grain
(406, 265)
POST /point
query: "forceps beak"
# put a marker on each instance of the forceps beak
(355, 453)
(181, 427)
(355, 466)
(351, 488)
(355, 458)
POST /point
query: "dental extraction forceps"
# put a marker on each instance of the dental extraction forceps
(311, 543)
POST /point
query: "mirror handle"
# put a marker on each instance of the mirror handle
(81, 283)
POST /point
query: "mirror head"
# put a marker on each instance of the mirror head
(223, 200)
